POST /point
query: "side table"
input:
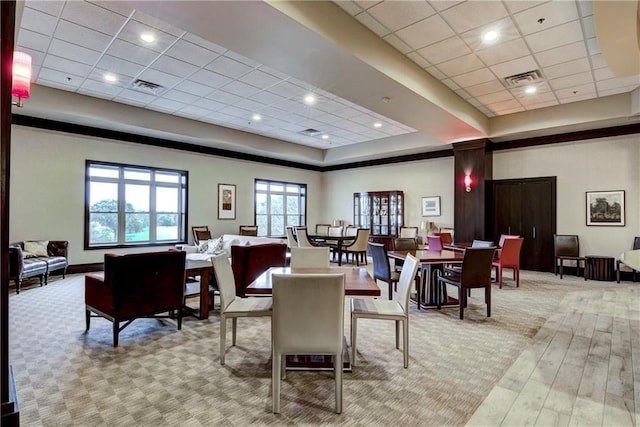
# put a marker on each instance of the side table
(600, 267)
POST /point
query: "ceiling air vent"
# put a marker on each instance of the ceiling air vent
(147, 87)
(523, 79)
(310, 132)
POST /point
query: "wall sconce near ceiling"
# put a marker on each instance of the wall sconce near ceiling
(467, 183)
(21, 81)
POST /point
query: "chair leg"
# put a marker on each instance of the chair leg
(223, 338)
(354, 331)
(462, 300)
(87, 315)
(234, 324)
(561, 260)
(116, 326)
(275, 381)
(337, 373)
(499, 276)
(405, 341)
(516, 276)
(487, 299)
(397, 334)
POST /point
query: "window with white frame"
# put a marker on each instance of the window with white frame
(129, 205)
(279, 205)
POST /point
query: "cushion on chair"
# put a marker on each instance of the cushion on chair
(378, 307)
(245, 305)
(37, 247)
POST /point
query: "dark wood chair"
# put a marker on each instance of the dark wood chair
(509, 258)
(381, 268)
(447, 238)
(636, 245)
(566, 247)
(200, 232)
(248, 230)
(403, 244)
(475, 273)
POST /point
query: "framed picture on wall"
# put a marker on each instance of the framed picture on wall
(431, 206)
(605, 208)
(226, 201)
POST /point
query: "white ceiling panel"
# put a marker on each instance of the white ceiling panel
(561, 54)
(571, 81)
(472, 14)
(564, 34)
(515, 66)
(461, 65)
(174, 66)
(474, 78)
(96, 17)
(73, 52)
(545, 16)
(445, 50)
(39, 22)
(33, 41)
(425, 32)
(370, 22)
(567, 68)
(398, 16)
(504, 52)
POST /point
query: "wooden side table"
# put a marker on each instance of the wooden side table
(600, 267)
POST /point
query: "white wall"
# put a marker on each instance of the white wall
(47, 185)
(592, 165)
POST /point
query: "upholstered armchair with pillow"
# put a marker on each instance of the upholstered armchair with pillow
(37, 258)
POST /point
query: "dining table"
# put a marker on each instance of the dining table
(631, 259)
(203, 269)
(358, 282)
(322, 239)
(431, 262)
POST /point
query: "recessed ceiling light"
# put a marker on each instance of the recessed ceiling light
(257, 117)
(377, 125)
(530, 90)
(490, 36)
(147, 37)
(111, 78)
(325, 136)
(310, 99)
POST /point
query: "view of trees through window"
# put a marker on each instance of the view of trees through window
(279, 205)
(134, 205)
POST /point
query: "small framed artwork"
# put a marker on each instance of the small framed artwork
(605, 208)
(226, 201)
(431, 206)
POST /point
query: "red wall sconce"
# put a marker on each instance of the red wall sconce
(467, 183)
(21, 81)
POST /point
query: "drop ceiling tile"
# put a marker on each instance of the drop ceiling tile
(165, 105)
(228, 67)
(537, 99)
(598, 61)
(492, 86)
(425, 32)
(135, 96)
(561, 54)
(603, 74)
(58, 84)
(235, 112)
(567, 68)
(33, 40)
(209, 78)
(193, 111)
(506, 28)
(542, 88)
(250, 105)
(65, 66)
(504, 52)
(555, 37)
(350, 7)
(630, 81)
(240, 89)
(495, 97)
(441, 5)
(397, 15)
(462, 94)
(218, 117)
(592, 46)
(158, 77)
(267, 98)
(445, 50)
(204, 43)
(73, 52)
(474, 78)
(211, 104)
(571, 81)
(93, 16)
(119, 66)
(589, 27)
(39, 22)
(259, 79)
(191, 53)
(419, 60)
(132, 52)
(47, 74)
(517, 6)
(157, 24)
(98, 74)
(504, 112)
(91, 39)
(451, 84)
(174, 66)
(554, 13)
(576, 90)
(436, 73)
(100, 88)
(544, 104)
(37, 58)
(461, 65)
(516, 66)
(576, 98)
(133, 29)
(179, 96)
(193, 88)
(50, 7)
(473, 14)
(242, 59)
(370, 22)
(397, 43)
(616, 90)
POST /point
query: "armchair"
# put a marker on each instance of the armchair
(249, 262)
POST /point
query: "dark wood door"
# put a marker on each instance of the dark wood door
(527, 207)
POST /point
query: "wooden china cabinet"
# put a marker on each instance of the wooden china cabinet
(382, 212)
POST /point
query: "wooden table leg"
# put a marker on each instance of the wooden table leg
(204, 295)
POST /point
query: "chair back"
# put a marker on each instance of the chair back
(434, 242)
(224, 279)
(566, 245)
(446, 238)
(322, 228)
(316, 257)
(636, 243)
(308, 313)
(335, 231)
(291, 238)
(407, 277)
(200, 232)
(248, 230)
(481, 244)
(405, 244)
(504, 237)
(351, 231)
(409, 232)
(360, 244)
(303, 238)
(510, 253)
(381, 268)
(476, 267)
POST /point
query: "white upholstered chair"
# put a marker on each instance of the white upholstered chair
(409, 232)
(308, 318)
(359, 246)
(303, 238)
(232, 306)
(396, 309)
(316, 257)
(291, 238)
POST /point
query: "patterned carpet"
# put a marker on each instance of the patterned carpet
(159, 376)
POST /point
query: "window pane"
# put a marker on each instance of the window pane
(261, 204)
(167, 228)
(293, 189)
(292, 220)
(103, 171)
(137, 198)
(277, 225)
(103, 197)
(142, 175)
(137, 227)
(277, 187)
(103, 228)
(292, 206)
(167, 177)
(262, 186)
(277, 206)
(261, 222)
(166, 199)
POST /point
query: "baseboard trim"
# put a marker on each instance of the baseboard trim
(85, 268)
